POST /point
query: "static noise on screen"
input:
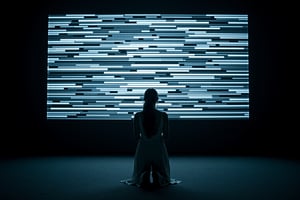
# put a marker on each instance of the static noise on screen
(100, 65)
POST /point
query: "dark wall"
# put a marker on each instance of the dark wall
(28, 131)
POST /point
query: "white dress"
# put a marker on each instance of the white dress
(151, 157)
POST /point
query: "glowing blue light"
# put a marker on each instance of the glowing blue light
(100, 65)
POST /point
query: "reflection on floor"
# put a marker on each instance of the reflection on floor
(97, 178)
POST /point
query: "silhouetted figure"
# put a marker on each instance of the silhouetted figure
(151, 161)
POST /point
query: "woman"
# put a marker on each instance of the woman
(151, 160)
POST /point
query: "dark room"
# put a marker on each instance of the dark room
(149, 100)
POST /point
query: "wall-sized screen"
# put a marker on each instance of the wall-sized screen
(100, 65)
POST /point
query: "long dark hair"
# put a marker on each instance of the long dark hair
(149, 112)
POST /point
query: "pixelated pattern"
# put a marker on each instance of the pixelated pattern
(100, 65)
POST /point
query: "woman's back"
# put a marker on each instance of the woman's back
(151, 124)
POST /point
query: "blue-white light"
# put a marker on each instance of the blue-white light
(100, 65)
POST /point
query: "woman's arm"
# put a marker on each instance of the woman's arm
(136, 126)
(165, 126)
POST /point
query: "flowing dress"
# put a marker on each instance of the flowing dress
(151, 161)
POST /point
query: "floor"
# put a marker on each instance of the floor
(98, 177)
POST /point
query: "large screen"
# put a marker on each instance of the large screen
(99, 65)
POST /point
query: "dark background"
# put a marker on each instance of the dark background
(268, 131)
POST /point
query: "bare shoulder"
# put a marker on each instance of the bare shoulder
(138, 114)
(163, 114)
